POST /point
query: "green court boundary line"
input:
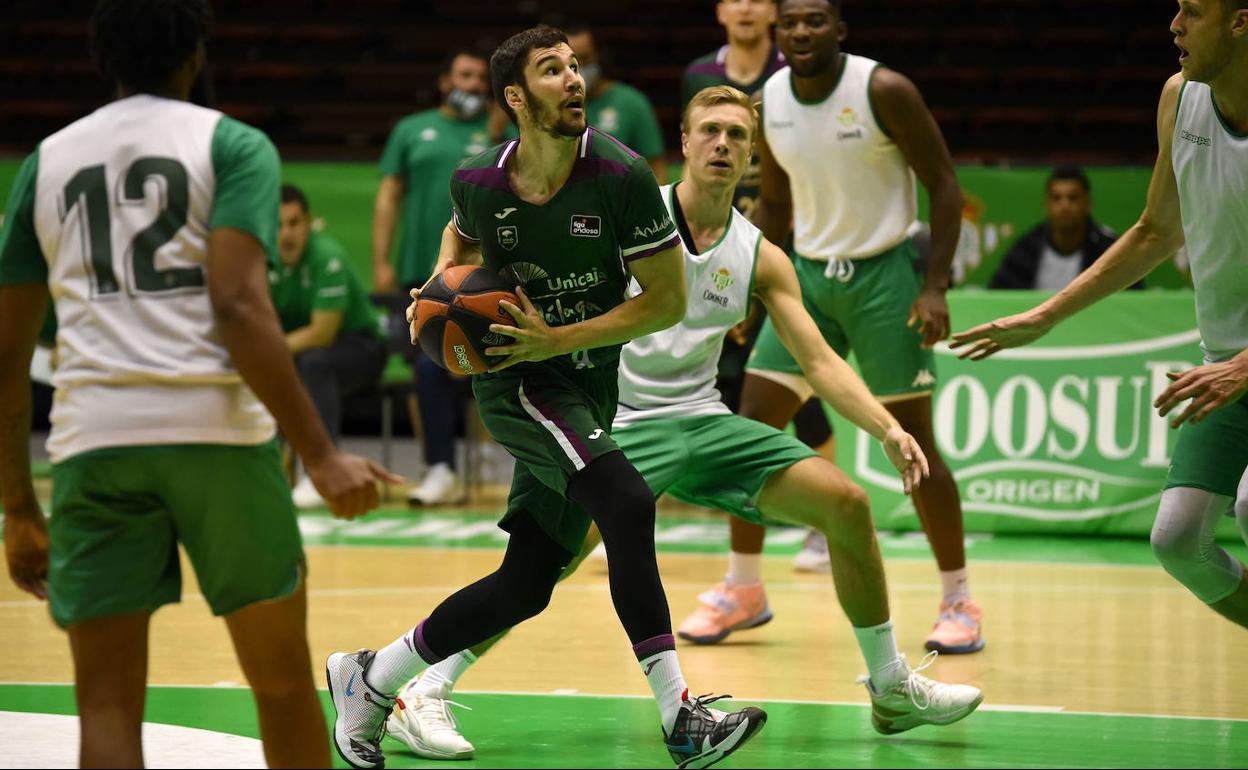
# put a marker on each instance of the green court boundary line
(1016, 708)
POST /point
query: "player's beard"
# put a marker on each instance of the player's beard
(559, 126)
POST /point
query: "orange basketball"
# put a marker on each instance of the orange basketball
(453, 317)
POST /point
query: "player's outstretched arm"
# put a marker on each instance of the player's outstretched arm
(22, 307)
(1152, 240)
(660, 304)
(238, 289)
(833, 380)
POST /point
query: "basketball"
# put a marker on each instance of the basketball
(454, 314)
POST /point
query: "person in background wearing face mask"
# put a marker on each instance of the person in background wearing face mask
(330, 327)
(617, 108)
(1054, 253)
(416, 167)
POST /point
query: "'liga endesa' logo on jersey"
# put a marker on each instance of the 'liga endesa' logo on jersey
(586, 226)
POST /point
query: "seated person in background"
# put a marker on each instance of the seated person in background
(331, 329)
(1054, 253)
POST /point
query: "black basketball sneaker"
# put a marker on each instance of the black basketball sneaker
(701, 736)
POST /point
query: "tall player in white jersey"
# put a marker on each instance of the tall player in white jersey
(1198, 194)
(148, 222)
(674, 427)
(842, 143)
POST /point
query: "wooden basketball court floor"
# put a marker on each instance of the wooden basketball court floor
(1095, 658)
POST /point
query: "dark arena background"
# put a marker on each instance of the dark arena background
(1094, 655)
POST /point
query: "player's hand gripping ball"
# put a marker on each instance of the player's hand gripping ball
(453, 317)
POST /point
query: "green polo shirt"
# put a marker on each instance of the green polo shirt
(625, 113)
(321, 280)
(423, 151)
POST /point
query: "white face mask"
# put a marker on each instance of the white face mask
(591, 73)
(466, 104)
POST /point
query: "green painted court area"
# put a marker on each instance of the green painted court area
(516, 730)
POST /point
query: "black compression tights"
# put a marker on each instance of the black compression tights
(618, 500)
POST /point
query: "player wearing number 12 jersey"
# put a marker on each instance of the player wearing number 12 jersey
(148, 222)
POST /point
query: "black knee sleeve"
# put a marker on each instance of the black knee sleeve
(811, 424)
(519, 589)
(622, 505)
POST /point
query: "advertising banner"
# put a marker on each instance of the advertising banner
(1056, 437)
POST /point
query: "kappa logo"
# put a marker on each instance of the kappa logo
(508, 236)
(505, 212)
(586, 226)
(923, 379)
(1196, 139)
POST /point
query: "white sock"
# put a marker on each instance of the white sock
(662, 671)
(439, 679)
(955, 584)
(396, 663)
(884, 662)
(744, 569)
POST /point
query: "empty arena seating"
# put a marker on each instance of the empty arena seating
(1017, 79)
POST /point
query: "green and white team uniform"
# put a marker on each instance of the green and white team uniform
(855, 208)
(1211, 168)
(155, 438)
(571, 256)
(672, 424)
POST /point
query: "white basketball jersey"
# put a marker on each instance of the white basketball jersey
(671, 373)
(122, 205)
(854, 194)
(1211, 167)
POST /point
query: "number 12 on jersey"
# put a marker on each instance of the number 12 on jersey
(89, 189)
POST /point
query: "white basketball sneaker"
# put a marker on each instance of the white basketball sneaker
(441, 486)
(917, 700)
(305, 495)
(422, 720)
(360, 710)
(814, 554)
